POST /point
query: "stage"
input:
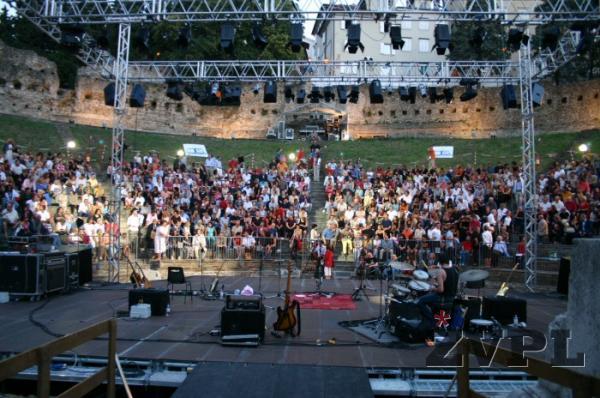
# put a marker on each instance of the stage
(185, 334)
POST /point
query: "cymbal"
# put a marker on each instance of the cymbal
(474, 275)
(401, 266)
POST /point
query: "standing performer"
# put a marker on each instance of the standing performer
(328, 262)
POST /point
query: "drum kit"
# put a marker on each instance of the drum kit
(413, 282)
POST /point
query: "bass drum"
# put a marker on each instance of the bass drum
(409, 323)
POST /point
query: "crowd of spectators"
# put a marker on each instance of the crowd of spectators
(463, 214)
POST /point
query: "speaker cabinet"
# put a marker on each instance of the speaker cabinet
(564, 271)
(509, 97)
(174, 91)
(270, 92)
(85, 266)
(22, 274)
(537, 94)
(504, 309)
(243, 315)
(375, 92)
(138, 96)
(342, 94)
(109, 95)
(56, 272)
(157, 298)
(72, 271)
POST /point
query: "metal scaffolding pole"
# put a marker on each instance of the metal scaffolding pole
(529, 177)
(116, 161)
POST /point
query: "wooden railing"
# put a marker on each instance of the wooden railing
(582, 386)
(42, 357)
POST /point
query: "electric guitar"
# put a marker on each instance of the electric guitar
(288, 317)
(504, 286)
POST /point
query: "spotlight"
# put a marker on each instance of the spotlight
(515, 38)
(403, 91)
(583, 148)
(260, 40)
(180, 153)
(270, 93)
(537, 94)
(214, 88)
(231, 95)
(174, 90)
(432, 92)
(449, 95)
(296, 42)
(72, 36)
(328, 94)
(315, 95)
(300, 96)
(423, 90)
(375, 92)
(185, 36)
(71, 144)
(292, 156)
(396, 36)
(353, 43)
(289, 94)
(342, 94)
(442, 38)
(143, 38)
(354, 93)
(550, 37)
(412, 94)
(256, 89)
(469, 94)
(227, 36)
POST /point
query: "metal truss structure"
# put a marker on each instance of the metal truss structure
(138, 11)
(49, 14)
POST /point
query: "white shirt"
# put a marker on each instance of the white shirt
(488, 239)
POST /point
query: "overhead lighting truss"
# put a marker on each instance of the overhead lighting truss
(137, 11)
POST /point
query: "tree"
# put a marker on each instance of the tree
(478, 41)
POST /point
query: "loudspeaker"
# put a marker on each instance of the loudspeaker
(56, 272)
(22, 274)
(412, 94)
(353, 44)
(469, 94)
(260, 40)
(270, 92)
(288, 91)
(537, 94)
(296, 37)
(442, 38)
(157, 298)
(243, 315)
(375, 92)
(354, 93)
(227, 36)
(315, 95)
(300, 96)
(85, 266)
(328, 94)
(509, 97)
(342, 94)
(138, 96)
(504, 309)
(564, 271)
(396, 37)
(409, 323)
(72, 274)
(174, 91)
(109, 94)
(231, 95)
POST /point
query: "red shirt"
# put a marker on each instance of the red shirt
(328, 258)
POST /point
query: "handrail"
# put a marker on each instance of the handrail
(582, 385)
(41, 356)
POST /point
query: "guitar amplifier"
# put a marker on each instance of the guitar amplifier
(504, 309)
(85, 266)
(242, 316)
(22, 274)
(72, 271)
(157, 298)
(56, 272)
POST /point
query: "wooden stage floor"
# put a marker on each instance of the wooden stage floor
(184, 335)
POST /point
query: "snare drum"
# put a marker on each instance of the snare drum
(420, 275)
(400, 290)
(419, 287)
(482, 326)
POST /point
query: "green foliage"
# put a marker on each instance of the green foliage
(493, 47)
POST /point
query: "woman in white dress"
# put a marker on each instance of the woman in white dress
(160, 239)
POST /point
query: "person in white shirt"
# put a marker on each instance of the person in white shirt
(488, 242)
(434, 233)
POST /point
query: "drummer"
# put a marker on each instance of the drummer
(444, 284)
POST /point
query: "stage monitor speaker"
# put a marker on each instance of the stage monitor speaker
(174, 91)
(243, 315)
(109, 94)
(22, 274)
(408, 322)
(537, 94)
(509, 97)
(56, 272)
(562, 286)
(504, 309)
(342, 94)
(375, 92)
(270, 92)
(138, 96)
(157, 298)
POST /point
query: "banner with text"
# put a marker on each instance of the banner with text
(444, 152)
(197, 150)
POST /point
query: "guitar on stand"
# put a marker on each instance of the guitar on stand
(137, 277)
(288, 317)
(504, 286)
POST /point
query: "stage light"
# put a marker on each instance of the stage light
(403, 91)
(469, 94)
(353, 43)
(537, 94)
(342, 94)
(449, 95)
(315, 95)
(227, 36)
(328, 94)
(184, 39)
(296, 42)
(71, 144)
(583, 148)
(174, 90)
(256, 89)
(292, 156)
(143, 38)
(509, 97)
(72, 36)
(515, 38)
(354, 94)
(396, 37)
(432, 92)
(260, 40)
(231, 95)
(550, 37)
(375, 92)
(138, 96)
(423, 90)
(289, 94)
(442, 38)
(300, 96)
(412, 94)
(270, 92)
(180, 153)
(214, 88)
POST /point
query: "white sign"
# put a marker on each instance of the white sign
(444, 152)
(197, 150)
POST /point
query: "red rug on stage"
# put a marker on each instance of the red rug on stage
(314, 301)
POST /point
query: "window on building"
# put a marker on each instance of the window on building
(424, 45)
(342, 24)
(386, 49)
(381, 27)
(407, 44)
(424, 25)
(400, 3)
(406, 25)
